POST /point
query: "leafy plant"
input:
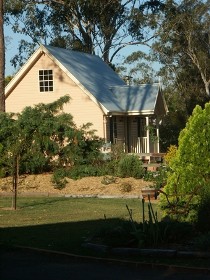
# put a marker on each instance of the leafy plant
(170, 154)
(189, 171)
(108, 180)
(58, 178)
(148, 233)
(130, 166)
(158, 177)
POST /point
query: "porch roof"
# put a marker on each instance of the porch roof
(140, 98)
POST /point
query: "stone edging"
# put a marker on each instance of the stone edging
(118, 261)
(146, 252)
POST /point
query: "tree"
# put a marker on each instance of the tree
(184, 36)
(97, 27)
(182, 48)
(189, 174)
(137, 69)
(2, 57)
(43, 138)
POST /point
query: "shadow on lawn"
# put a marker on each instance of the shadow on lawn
(66, 237)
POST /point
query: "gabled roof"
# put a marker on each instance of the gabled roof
(97, 80)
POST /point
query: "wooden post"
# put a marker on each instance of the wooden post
(15, 181)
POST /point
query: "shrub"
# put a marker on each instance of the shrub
(158, 177)
(126, 187)
(108, 180)
(59, 179)
(189, 170)
(130, 166)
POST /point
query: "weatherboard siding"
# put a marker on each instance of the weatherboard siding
(27, 93)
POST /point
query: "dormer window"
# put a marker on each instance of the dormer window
(45, 80)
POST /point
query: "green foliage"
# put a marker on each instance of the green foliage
(148, 233)
(189, 170)
(170, 154)
(153, 233)
(2, 170)
(130, 166)
(44, 138)
(87, 26)
(158, 177)
(59, 179)
(80, 171)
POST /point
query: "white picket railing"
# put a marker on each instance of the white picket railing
(139, 145)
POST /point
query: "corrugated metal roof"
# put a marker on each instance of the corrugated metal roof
(104, 84)
(137, 98)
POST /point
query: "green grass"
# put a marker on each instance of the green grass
(63, 224)
(60, 223)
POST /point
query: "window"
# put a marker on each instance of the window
(45, 80)
(142, 130)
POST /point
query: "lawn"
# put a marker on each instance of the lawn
(61, 223)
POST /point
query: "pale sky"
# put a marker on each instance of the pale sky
(11, 43)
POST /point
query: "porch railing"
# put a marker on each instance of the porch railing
(139, 145)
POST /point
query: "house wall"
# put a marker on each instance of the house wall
(81, 106)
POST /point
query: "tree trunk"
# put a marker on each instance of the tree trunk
(2, 58)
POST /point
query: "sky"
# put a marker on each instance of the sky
(11, 43)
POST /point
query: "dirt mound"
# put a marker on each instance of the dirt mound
(85, 186)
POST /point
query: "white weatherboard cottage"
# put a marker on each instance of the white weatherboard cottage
(119, 112)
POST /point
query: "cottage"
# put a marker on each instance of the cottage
(120, 113)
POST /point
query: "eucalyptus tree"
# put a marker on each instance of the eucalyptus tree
(184, 38)
(102, 27)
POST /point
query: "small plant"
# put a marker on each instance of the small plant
(130, 166)
(126, 187)
(108, 180)
(158, 177)
(148, 232)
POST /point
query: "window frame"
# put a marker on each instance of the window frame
(46, 80)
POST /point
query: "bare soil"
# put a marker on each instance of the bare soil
(88, 186)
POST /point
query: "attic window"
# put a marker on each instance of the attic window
(45, 80)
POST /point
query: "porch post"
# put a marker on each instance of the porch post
(105, 127)
(147, 125)
(158, 134)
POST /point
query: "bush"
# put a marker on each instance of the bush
(158, 177)
(59, 179)
(126, 187)
(130, 166)
(189, 170)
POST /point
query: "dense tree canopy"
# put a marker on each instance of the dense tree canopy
(98, 27)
